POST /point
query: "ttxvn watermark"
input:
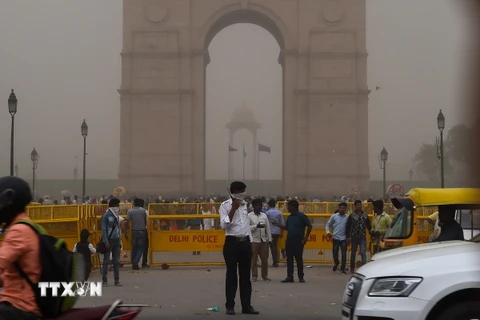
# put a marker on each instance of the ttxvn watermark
(71, 289)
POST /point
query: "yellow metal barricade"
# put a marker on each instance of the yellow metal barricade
(178, 243)
(190, 234)
(60, 221)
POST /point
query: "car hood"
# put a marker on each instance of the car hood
(415, 248)
(436, 258)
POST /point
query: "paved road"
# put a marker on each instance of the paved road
(187, 292)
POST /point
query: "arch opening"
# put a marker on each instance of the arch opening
(244, 46)
(245, 16)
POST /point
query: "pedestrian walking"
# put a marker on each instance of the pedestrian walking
(137, 217)
(112, 224)
(338, 222)
(357, 225)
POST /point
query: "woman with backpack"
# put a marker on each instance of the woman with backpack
(20, 249)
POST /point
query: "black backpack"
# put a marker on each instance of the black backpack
(58, 265)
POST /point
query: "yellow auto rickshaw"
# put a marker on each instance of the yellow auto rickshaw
(410, 225)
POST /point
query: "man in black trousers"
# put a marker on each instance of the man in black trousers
(237, 249)
(296, 224)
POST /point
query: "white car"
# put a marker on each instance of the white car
(435, 281)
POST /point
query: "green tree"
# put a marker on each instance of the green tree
(458, 142)
(427, 162)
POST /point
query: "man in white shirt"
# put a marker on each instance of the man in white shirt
(261, 238)
(208, 224)
(237, 249)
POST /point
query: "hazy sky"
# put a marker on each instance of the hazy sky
(63, 60)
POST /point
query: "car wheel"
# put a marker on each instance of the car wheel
(461, 311)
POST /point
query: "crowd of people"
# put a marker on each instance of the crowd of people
(74, 200)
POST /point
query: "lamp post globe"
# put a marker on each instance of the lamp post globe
(12, 103)
(34, 155)
(441, 121)
(84, 128)
(384, 155)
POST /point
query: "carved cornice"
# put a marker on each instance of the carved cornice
(153, 175)
(294, 53)
(156, 92)
(314, 92)
(205, 53)
(156, 154)
(337, 55)
(332, 175)
(153, 55)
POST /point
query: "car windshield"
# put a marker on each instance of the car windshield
(401, 226)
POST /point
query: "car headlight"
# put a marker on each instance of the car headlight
(394, 287)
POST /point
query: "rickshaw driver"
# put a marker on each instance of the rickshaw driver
(451, 230)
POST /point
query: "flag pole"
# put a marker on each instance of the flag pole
(243, 161)
(229, 161)
(258, 163)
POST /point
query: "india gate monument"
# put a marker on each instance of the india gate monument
(325, 91)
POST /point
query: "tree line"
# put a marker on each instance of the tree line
(456, 145)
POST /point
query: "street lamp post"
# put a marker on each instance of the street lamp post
(12, 109)
(441, 126)
(410, 174)
(382, 159)
(84, 134)
(16, 170)
(34, 157)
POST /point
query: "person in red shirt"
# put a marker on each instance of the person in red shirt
(21, 245)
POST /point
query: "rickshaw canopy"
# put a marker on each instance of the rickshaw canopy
(422, 197)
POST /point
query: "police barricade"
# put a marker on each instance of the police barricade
(182, 238)
(61, 221)
(198, 240)
(184, 241)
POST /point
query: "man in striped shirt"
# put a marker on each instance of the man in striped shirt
(357, 225)
(338, 222)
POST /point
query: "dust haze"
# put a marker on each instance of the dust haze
(63, 60)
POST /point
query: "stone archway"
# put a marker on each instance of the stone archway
(325, 93)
